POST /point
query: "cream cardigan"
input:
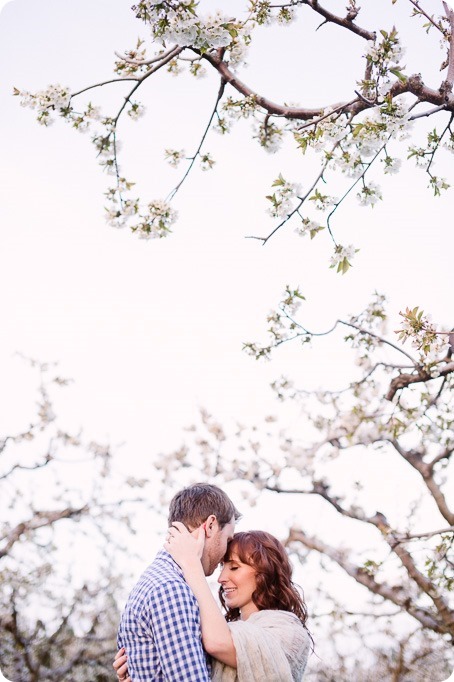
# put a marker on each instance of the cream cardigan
(271, 646)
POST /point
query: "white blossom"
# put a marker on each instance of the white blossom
(174, 156)
(342, 256)
(369, 194)
(391, 166)
(308, 226)
(136, 111)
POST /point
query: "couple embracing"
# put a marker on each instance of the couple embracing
(172, 629)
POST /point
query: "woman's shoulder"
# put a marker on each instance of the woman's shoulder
(276, 615)
(284, 621)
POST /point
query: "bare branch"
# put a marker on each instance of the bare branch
(407, 537)
(427, 113)
(415, 3)
(347, 22)
(146, 62)
(22, 467)
(205, 133)
(139, 79)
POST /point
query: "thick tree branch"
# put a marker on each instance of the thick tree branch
(39, 520)
(426, 585)
(395, 594)
(414, 458)
(422, 376)
(450, 75)
(380, 522)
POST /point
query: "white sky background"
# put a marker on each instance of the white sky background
(151, 330)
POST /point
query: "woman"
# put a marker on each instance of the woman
(263, 636)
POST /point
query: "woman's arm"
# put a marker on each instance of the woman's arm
(186, 549)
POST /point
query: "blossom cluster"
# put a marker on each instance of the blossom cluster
(269, 136)
(264, 13)
(282, 199)
(384, 58)
(342, 257)
(424, 337)
(369, 194)
(55, 98)
(308, 226)
(157, 221)
(178, 23)
(348, 138)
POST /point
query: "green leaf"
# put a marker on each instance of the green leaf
(357, 129)
(398, 75)
(279, 182)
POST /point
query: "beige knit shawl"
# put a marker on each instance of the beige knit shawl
(271, 646)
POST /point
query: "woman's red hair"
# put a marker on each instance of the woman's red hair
(275, 589)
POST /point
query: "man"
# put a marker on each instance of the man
(160, 626)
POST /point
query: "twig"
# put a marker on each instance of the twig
(194, 157)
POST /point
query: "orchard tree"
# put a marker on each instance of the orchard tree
(356, 140)
(67, 516)
(397, 414)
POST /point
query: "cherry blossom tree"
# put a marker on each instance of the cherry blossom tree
(67, 516)
(396, 416)
(356, 140)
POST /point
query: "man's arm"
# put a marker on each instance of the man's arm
(175, 623)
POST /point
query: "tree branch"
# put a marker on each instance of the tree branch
(422, 376)
(426, 472)
(146, 62)
(22, 467)
(389, 535)
(407, 537)
(39, 520)
(346, 22)
(450, 75)
(205, 133)
(421, 11)
(395, 594)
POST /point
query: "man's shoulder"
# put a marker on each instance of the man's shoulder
(162, 574)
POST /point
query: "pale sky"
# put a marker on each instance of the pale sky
(149, 331)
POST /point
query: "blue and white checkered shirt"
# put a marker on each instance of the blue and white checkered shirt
(160, 627)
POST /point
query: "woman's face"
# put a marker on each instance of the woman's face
(238, 583)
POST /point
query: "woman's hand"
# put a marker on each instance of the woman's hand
(121, 667)
(185, 548)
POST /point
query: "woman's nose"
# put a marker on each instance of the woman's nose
(221, 579)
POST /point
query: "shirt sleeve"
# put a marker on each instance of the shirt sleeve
(175, 623)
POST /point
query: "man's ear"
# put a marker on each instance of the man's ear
(211, 525)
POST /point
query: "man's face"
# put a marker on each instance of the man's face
(216, 545)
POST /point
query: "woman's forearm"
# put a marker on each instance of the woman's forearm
(216, 636)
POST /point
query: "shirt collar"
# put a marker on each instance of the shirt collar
(164, 555)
